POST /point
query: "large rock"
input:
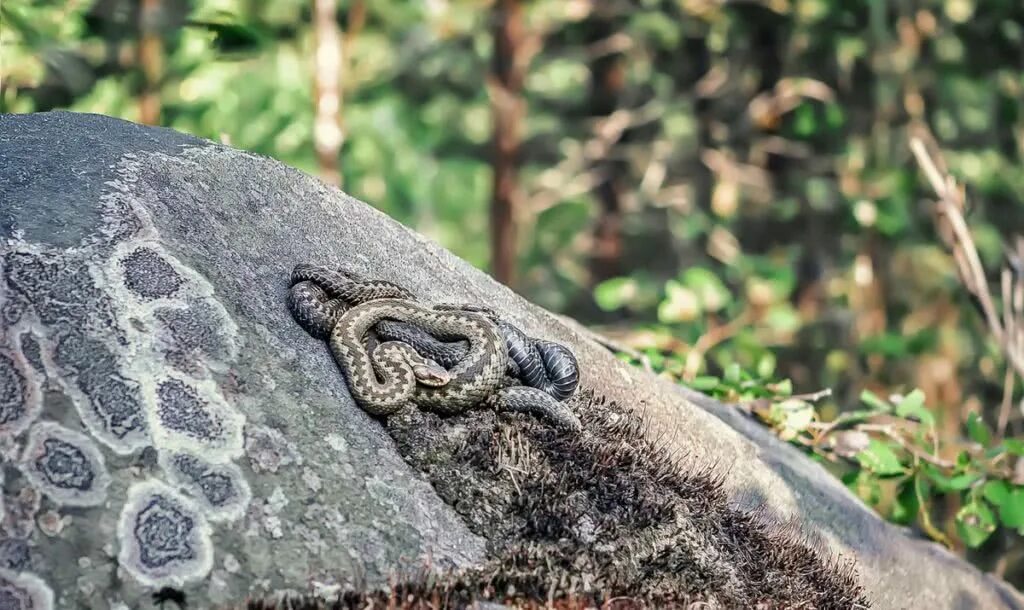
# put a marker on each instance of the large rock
(165, 422)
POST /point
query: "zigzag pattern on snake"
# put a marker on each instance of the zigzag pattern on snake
(545, 365)
(384, 377)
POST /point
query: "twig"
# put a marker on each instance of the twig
(1006, 329)
(892, 434)
(1006, 404)
(926, 518)
(949, 208)
(570, 178)
(713, 337)
(813, 396)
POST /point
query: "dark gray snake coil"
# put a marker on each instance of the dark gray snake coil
(545, 365)
(394, 350)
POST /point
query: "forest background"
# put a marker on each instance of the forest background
(808, 208)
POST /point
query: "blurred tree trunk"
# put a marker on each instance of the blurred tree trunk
(509, 109)
(607, 82)
(327, 73)
(151, 61)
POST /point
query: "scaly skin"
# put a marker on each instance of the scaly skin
(473, 379)
(545, 365)
(385, 377)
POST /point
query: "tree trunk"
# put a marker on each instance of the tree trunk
(509, 111)
(607, 80)
(327, 132)
(151, 62)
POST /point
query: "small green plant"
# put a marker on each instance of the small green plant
(894, 459)
(888, 451)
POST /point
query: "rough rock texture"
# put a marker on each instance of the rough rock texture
(164, 422)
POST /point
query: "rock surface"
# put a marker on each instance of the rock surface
(164, 422)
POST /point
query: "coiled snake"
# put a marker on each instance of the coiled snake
(475, 352)
(545, 365)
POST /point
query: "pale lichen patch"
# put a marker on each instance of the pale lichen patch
(20, 396)
(21, 505)
(191, 415)
(269, 450)
(220, 489)
(164, 537)
(24, 591)
(65, 465)
(108, 400)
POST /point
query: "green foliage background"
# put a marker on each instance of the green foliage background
(775, 226)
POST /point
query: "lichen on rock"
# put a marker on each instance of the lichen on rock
(20, 399)
(221, 489)
(65, 465)
(24, 591)
(163, 536)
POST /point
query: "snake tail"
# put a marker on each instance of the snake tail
(532, 401)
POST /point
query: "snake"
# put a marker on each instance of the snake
(545, 365)
(318, 314)
(383, 377)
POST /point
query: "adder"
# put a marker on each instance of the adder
(385, 376)
(545, 365)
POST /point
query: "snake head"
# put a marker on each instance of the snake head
(480, 309)
(431, 375)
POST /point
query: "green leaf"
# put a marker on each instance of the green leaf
(680, 305)
(892, 345)
(783, 317)
(954, 483)
(857, 416)
(880, 459)
(1014, 446)
(993, 452)
(805, 122)
(781, 388)
(792, 417)
(709, 289)
(705, 383)
(977, 430)
(766, 365)
(964, 480)
(975, 522)
(872, 400)
(615, 293)
(733, 373)
(914, 400)
(1011, 509)
(905, 506)
(912, 405)
(996, 491)
(834, 115)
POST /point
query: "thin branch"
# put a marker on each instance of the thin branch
(891, 433)
(713, 337)
(573, 176)
(1006, 329)
(949, 210)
